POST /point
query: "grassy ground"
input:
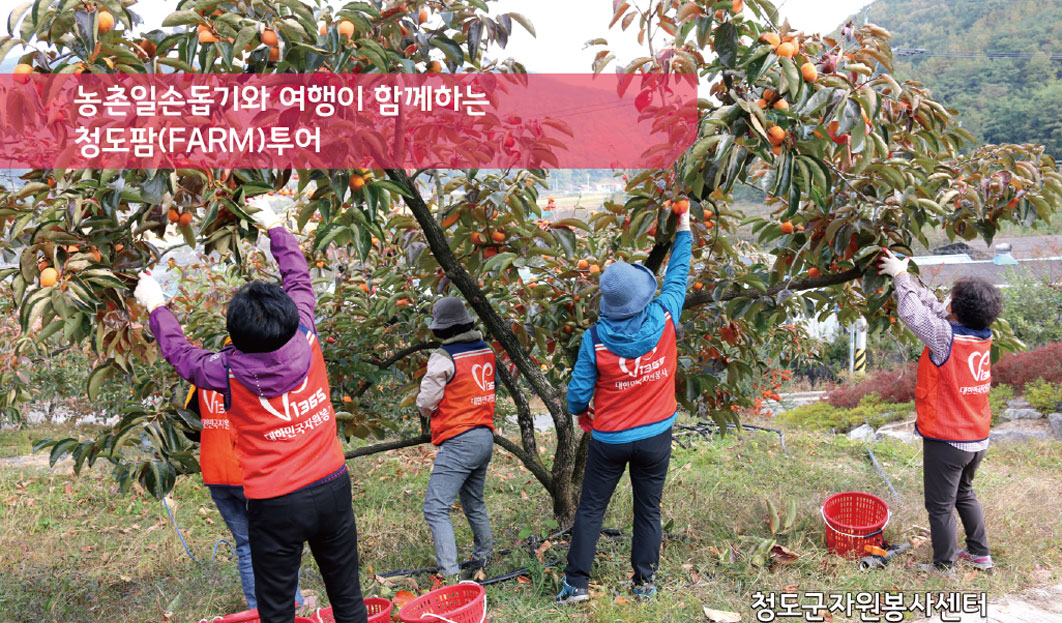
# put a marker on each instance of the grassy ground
(73, 549)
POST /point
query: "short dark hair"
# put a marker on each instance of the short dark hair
(261, 318)
(449, 332)
(975, 302)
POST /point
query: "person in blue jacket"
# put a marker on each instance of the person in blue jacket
(627, 364)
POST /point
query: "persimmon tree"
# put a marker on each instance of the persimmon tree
(849, 160)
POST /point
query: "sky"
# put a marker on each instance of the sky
(564, 26)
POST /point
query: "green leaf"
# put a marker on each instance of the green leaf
(726, 44)
(392, 187)
(61, 448)
(158, 478)
(96, 379)
(182, 18)
(450, 49)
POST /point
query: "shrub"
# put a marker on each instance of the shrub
(1033, 307)
(997, 400)
(822, 416)
(1045, 397)
(894, 385)
(1020, 369)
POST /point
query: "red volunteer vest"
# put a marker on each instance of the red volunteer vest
(952, 399)
(635, 392)
(217, 457)
(468, 401)
(289, 441)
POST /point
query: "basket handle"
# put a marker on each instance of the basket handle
(482, 619)
(888, 518)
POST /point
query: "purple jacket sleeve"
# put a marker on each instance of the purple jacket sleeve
(294, 274)
(203, 368)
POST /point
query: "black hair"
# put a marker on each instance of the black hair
(449, 332)
(975, 302)
(261, 318)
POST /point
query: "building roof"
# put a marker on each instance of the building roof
(1038, 257)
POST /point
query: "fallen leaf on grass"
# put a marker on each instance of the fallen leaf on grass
(542, 549)
(523, 579)
(721, 616)
(480, 575)
(783, 555)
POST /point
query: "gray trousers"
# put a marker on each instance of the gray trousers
(460, 469)
(948, 478)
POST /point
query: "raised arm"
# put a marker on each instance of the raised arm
(203, 368)
(294, 273)
(918, 308)
(924, 315)
(673, 293)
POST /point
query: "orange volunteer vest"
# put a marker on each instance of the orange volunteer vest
(952, 399)
(217, 442)
(635, 392)
(289, 441)
(468, 401)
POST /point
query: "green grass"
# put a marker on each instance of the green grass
(73, 549)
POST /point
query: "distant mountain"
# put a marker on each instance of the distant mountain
(1001, 100)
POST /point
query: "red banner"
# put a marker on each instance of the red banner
(344, 121)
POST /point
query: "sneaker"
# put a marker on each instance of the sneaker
(645, 591)
(570, 595)
(984, 563)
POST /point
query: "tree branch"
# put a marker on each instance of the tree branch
(524, 418)
(392, 360)
(387, 446)
(496, 326)
(700, 298)
(402, 354)
(531, 463)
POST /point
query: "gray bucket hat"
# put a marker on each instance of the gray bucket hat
(448, 311)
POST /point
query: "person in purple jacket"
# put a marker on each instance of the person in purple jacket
(276, 392)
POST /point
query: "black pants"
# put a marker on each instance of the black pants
(324, 517)
(948, 478)
(649, 460)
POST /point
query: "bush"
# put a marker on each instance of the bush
(822, 416)
(894, 385)
(1020, 369)
(997, 400)
(1045, 397)
(1033, 307)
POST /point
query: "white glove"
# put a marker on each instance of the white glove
(683, 221)
(265, 217)
(149, 293)
(892, 265)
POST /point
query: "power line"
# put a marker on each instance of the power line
(1015, 55)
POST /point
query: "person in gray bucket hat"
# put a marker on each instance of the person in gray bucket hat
(627, 364)
(457, 396)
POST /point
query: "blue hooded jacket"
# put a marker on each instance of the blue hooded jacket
(631, 338)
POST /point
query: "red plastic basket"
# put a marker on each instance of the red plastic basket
(378, 609)
(853, 520)
(460, 603)
(247, 616)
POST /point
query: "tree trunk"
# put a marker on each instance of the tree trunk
(564, 459)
